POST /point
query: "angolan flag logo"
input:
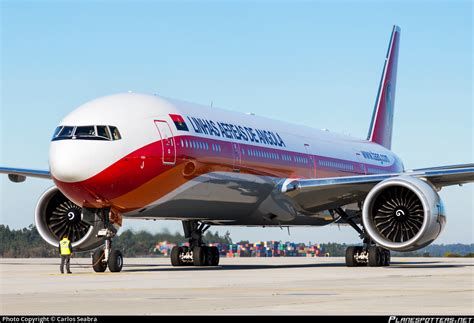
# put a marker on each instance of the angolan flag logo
(179, 122)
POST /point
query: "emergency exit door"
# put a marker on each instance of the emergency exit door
(167, 142)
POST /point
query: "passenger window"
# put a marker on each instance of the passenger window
(103, 131)
(115, 133)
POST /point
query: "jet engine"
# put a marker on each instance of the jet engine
(56, 215)
(403, 214)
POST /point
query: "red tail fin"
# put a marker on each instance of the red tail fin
(380, 130)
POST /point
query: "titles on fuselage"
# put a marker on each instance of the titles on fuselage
(232, 131)
(375, 156)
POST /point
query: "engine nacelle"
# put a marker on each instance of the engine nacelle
(403, 214)
(56, 215)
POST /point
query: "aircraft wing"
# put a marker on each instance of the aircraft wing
(18, 175)
(328, 193)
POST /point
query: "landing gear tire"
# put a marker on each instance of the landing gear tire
(214, 256)
(383, 257)
(98, 263)
(350, 257)
(211, 256)
(375, 257)
(199, 256)
(176, 253)
(115, 261)
(207, 255)
(387, 258)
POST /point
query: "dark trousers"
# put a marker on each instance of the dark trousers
(66, 259)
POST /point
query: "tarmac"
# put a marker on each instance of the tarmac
(261, 286)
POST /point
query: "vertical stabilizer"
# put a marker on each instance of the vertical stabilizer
(380, 130)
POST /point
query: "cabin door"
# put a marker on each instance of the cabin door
(167, 142)
(312, 162)
(237, 156)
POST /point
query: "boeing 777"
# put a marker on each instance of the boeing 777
(137, 156)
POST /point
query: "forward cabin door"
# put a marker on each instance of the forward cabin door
(167, 142)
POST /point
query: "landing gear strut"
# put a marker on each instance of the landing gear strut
(107, 256)
(197, 254)
(368, 254)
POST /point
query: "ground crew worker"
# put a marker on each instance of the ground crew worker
(65, 250)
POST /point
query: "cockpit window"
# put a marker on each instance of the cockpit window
(115, 133)
(66, 132)
(87, 133)
(56, 132)
(103, 131)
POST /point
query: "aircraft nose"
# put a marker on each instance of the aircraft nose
(70, 161)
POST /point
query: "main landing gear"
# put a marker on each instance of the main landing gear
(372, 256)
(368, 254)
(106, 256)
(197, 253)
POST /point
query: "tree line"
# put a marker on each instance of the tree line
(27, 243)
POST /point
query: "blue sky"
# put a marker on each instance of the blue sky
(313, 63)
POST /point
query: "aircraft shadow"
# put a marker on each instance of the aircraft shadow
(394, 265)
(136, 267)
(229, 267)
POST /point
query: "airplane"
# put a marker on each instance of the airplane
(140, 156)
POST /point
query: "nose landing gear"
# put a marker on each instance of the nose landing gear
(106, 256)
(197, 254)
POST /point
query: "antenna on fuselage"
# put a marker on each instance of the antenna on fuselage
(211, 103)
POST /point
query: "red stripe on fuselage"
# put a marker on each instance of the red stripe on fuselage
(146, 164)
